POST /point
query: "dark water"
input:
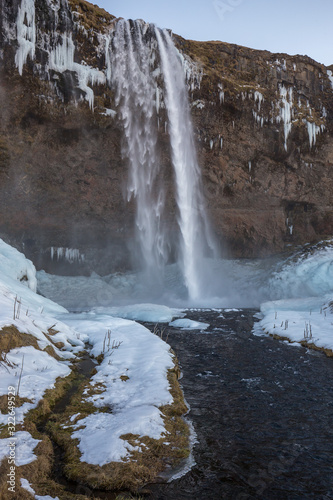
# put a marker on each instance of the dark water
(262, 411)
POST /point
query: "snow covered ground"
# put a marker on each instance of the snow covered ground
(300, 320)
(132, 373)
(30, 314)
(306, 313)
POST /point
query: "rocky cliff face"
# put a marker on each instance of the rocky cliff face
(263, 125)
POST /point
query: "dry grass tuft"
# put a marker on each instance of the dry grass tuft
(11, 338)
(304, 343)
(18, 402)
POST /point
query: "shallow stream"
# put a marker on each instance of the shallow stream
(262, 411)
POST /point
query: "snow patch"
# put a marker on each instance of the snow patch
(100, 441)
(24, 447)
(152, 313)
(133, 374)
(198, 104)
(188, 324)
(110, 112)
(27, 486)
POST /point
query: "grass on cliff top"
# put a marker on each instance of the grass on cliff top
(225, 63)
(91, 16)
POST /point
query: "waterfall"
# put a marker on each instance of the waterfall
(194, 228)
(132, 78)
(144, 59)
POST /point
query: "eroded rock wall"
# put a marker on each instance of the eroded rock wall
(263, 125)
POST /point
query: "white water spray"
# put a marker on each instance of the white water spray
(136, 49)
(132, 78)
(193, 224)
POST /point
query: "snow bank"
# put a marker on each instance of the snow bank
(31, 314)
(14, 265)
(188, 324)
(39, 372)
(309, 275)
(152, 313)
(307, 315)
(131, 378)
(133, 374)
(300, 320)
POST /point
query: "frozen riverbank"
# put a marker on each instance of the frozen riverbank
(130, 403)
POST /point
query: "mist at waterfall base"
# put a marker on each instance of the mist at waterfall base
(226, 284)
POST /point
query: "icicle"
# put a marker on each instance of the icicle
(71, 255)
(258, 97)
(62, 59)
(285, 111)
(26, 33)
(221, 92)
(313, 131)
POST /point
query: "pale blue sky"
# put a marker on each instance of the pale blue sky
(291, 26)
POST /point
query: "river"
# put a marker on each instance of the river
(262, 413)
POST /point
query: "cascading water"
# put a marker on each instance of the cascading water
(136, 48)
(193, 224)
(132, 78)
